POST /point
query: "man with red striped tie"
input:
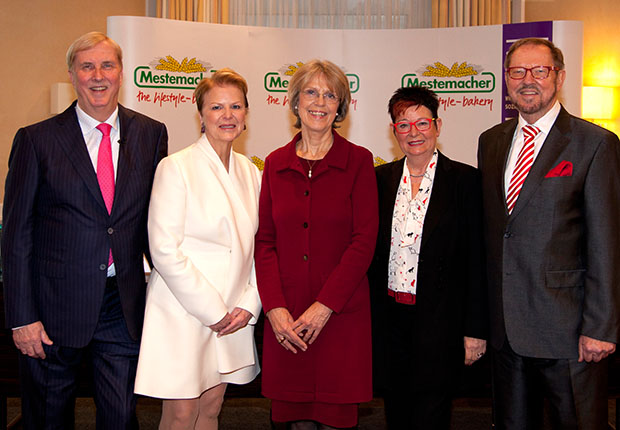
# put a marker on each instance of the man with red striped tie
(551, 195)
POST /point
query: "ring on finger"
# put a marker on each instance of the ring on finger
(281, 339)
(480, 354)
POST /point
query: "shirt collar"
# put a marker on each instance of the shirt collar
(88, 123)
(337, 155)
(544, 123)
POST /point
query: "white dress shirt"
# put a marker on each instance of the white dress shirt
(544, 124)
(92, 137)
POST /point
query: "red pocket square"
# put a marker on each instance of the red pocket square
(565, 168)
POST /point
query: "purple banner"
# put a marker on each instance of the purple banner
(512, 33)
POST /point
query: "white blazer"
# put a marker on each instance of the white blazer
(202, 221)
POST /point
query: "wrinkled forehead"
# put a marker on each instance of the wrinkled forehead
(103, 51)
(320, 81)
(531, 54)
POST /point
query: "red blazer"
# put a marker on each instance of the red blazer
(315, 241)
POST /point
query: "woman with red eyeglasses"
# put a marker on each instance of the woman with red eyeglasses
(427, 285)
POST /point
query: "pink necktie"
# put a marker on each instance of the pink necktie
(105, 170)
(523, 166)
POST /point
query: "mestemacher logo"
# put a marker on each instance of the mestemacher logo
(460, 78)
(168, 72)
(277, 82)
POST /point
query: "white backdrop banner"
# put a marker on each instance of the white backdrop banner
(165, 59)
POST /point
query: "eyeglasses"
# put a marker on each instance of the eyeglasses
(404, 127)
(538, 72)
(313, 95)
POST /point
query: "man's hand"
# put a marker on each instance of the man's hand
(594, 350)
(474, 349)
(28, 339)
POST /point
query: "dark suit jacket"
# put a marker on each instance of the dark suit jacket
(553, 264)
(451, 293)
(57, 231)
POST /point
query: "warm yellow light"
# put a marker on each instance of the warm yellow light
(597, 102)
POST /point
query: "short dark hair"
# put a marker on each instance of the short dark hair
(220, 78)
(405, 97)
(556, 53)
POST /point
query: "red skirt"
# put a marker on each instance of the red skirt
(331, 414)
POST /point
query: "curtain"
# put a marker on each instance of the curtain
(464, 13)
(214, 11)
(346, 14)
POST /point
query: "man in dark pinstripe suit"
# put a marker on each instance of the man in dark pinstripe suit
(66, 297)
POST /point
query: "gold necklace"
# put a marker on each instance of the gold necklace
(318, 153)
(310, 166)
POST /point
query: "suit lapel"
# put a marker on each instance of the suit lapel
(242, 196)
(440, 197)
(237, 189)
(389, 193)
(126, 151)
(501, 160)
(69, 137)
(388, 180)
(551, 149)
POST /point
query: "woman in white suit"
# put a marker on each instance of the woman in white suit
(202, 300)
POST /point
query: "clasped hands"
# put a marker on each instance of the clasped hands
(300, 333)
(232, 321)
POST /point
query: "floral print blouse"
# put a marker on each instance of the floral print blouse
(407, 225)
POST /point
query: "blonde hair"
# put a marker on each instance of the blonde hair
(221, 77)
(336, 80)
(88, 41)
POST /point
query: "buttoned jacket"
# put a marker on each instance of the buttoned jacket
(552, 263)
(57, 232)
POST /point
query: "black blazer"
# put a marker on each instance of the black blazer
(57, 231)
(553, 262)
(451, 293)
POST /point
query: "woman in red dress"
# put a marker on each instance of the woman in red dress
(318, 221)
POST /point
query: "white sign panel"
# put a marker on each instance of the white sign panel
(164, 60)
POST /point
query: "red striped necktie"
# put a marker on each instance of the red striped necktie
(523, 166)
